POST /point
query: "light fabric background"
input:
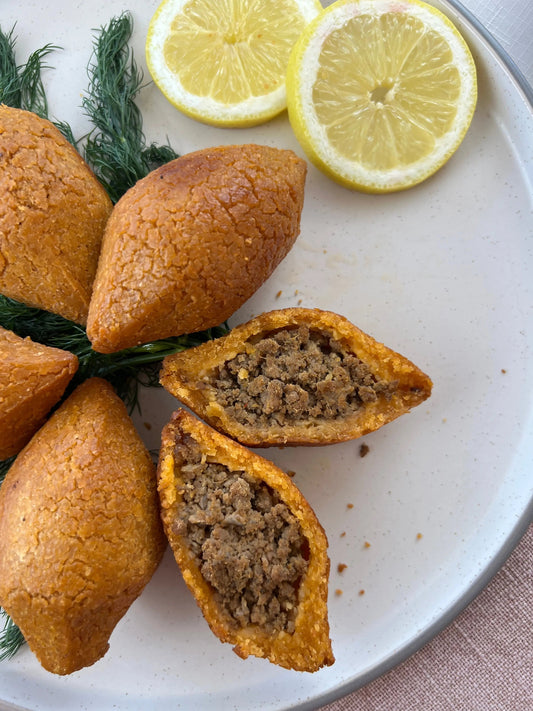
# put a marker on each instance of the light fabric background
(483, 661)
(511, 23)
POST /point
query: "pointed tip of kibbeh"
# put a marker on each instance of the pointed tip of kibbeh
(33, 379)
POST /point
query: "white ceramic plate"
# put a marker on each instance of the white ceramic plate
(441, 273)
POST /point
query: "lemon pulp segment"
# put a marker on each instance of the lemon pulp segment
(207, 42)
(383, 89)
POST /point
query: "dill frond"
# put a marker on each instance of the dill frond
(4, 467)
(116, 149)
(66, 130)
(9, 79)
(11, 638)
(126, 370)
(33, 95)
(21, 86)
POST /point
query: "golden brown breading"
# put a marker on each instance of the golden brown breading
(188, 244)
(33, 378)
(53, 212)
(80, 533)
(306, 646)
(334, 408)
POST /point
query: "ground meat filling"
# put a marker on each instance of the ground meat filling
(293, 375)
(247, 543)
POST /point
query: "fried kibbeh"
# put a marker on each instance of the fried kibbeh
(295, 377)
(80, 532)
(53, 212)
(191, 242)
(33, 379)
(248, 544)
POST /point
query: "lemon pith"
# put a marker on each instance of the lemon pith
(224, 61)
(380, 93)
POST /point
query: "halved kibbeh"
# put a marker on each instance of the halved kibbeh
(295, 377)
(248, 544)
(33, 379)
(191, 242)
(80, 532)
(53, 212)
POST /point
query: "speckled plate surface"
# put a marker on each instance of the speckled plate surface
(441, 273)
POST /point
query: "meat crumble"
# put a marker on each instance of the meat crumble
(296, 374)
(247, 543)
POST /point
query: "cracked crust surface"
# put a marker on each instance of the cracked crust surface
(53, 212)
(192, 377)
(80, 533)
(33, 379)
(307, 647)
(191, 242)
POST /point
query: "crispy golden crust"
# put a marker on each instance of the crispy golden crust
(52, 217)
(309, 647)
(33, 378)
(188, 244)
(80, 533)
(189, 376)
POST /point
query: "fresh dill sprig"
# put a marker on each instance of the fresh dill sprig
(33, 95)
(10, 93)
(4, 467)
(21, 86)
(66, 130)
(11, 638)
(125, 370)
(116, 149)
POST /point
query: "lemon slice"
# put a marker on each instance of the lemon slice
(224, 61)
(380, 92)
